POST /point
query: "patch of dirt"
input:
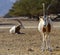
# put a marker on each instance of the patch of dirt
(28, 42)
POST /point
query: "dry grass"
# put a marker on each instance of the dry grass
(27, 43)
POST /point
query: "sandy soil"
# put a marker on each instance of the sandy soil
(27, 43)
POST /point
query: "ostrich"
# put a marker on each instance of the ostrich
(44, 27)
(16, 29)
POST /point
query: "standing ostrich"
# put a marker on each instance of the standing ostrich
(44, 28)
(16, 29)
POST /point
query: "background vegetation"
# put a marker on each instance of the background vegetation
(33, 8)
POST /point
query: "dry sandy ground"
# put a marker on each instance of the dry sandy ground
(27, 43)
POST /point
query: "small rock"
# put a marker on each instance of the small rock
(8, 49)
(57, 47)
(30, 50)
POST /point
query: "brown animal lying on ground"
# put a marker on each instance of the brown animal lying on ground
(16, 29)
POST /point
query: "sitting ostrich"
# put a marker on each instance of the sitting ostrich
(44, 27)
(16, 29)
